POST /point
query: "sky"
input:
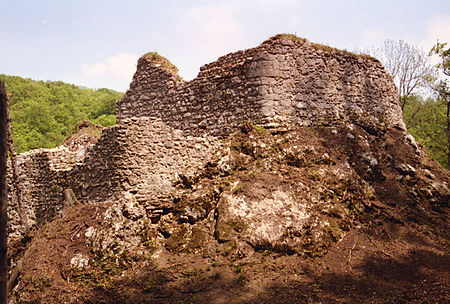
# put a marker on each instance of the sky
(97, 43)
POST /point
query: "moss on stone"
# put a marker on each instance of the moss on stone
(332, 233)
(148, 235)
(187, 239)
(177, 241)
(288, 36)
(223, 231)
(156, 59)
(227, 228)
(198, 238)
(322, 47)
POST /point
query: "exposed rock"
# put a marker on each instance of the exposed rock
(79, 261)
(264, 222)
(281, 153)
(406, 169)
(428, 174)
(280, 147)
(119, 231)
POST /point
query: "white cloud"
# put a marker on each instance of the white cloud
(208, 31)
(121, 65)
(115, 72)
(438, 28)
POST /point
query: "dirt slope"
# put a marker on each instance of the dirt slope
(361, 215)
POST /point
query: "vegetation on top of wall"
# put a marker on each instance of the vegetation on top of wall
(288, 36)
(318, 46)
(155, 58)
(44, 113)
(329, 49)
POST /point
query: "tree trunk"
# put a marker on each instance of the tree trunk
(3, 194)
(448, 132)
(15, 171)
(402, 102)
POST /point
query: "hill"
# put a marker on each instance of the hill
(278, 217)
(281, 174)
(44, 113)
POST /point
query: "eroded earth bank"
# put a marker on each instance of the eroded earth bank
(281, 174)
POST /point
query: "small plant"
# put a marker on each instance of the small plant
(288, 36)
(239, 188)
(259, 129)
(43, 282)
(316, 287)
(217, 275)
(355, 207)
(241, 279)
(266, 252)
(155, 58)
(369, 192)
(151, 286)
(190, 272)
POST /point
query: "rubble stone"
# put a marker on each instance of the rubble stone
(168, 128)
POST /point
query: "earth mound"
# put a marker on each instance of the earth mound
(281, 174)
(302, 215)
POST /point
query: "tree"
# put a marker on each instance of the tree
(44, 113)
(3, 194)
(425, 120)
(442, 86)
(409, 66)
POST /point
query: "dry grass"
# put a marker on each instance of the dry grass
(155, 58)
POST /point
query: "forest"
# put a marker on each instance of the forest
(425, 119)
(44, 113)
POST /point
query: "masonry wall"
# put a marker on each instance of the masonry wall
(217, 100)
(140, 158)
(165, 125)
(283, 81)
(45, 173)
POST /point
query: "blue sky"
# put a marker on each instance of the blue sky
(97, 43)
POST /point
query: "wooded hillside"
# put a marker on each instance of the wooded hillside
(43, 113)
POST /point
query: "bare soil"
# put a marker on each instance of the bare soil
(395, 250)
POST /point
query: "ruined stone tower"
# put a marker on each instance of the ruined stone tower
(284, 81)
(167, 127)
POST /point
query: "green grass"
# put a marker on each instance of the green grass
(318, 46)
(155, 58)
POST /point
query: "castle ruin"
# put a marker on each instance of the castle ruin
(166, 126)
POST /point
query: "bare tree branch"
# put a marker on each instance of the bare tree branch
(409, 66)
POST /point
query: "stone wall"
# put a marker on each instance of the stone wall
(164, 123)
(286, 80)
(141, 158)
(217, 100)
(45, 173)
